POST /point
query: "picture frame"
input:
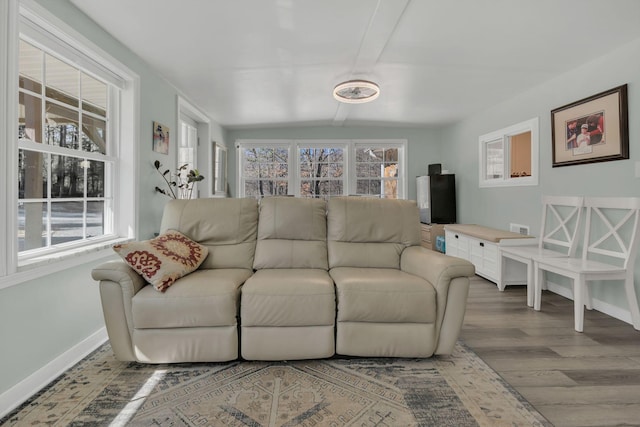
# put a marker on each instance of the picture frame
(161, 138)
(594, 129)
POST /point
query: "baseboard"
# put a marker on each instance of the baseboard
(18, 394)
(601, 306)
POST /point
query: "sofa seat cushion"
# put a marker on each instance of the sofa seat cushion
(383, 295)
(288, 297)
(202, 299)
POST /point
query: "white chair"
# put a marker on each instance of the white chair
(559, 227)
(609, 252)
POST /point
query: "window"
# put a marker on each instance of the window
(219, 170)
(509, 157)
(322, 169)
(70, 158)
(63, 165)
(378, 170)
(264, 170)
(187, 155)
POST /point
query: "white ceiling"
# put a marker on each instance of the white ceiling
(252, 63)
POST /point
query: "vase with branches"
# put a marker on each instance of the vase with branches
(180, 183)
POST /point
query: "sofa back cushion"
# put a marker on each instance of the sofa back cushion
(368, 232)
(227, 227)
(292, 233)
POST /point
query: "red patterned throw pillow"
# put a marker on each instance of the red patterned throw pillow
(163, 260)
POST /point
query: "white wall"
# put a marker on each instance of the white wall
(424, 145)
(497, 207)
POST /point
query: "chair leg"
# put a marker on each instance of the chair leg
(538, 274)
(588, 302)
(633, 300)
(578, 302)
(502, 268)
(530, 284)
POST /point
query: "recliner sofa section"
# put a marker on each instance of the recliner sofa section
(291, 278)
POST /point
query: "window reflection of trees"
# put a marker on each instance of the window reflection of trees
(321, 172)
(266, 171)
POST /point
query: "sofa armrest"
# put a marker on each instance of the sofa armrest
(450, 278)
(118, 285)
(119, 272)
(435, 267)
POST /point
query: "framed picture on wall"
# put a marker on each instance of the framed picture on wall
(594, 129)
(160, 138)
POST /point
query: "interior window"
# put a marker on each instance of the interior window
(509, 156)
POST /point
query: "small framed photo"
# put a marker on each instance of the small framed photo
(594, 129)
(160, 138)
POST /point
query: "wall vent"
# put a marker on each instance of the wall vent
(519, 228)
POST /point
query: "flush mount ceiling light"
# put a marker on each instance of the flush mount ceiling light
(356, 91)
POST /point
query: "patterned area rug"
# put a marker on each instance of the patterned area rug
(457, 390)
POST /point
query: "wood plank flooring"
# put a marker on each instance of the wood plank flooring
(573, 379)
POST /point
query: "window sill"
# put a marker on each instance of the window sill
(37, 267)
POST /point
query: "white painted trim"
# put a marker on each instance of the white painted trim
(8, 133)
(189, 109)
(77, 48)
(18, 394)
(598, 305)
(58, 262)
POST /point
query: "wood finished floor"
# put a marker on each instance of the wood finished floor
(573, 379)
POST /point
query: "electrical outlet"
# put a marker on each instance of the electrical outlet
(519, 228)
(638, 169)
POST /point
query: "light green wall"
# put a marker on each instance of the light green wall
(497, 207)
(43, 318)
(423, 146)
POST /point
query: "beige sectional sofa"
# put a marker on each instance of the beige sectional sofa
(291, 278)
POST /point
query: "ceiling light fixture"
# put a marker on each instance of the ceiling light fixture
(356, 91)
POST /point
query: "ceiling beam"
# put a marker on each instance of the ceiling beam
(382, 25)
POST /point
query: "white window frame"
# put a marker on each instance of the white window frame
(314, 144)
(219, 170)
(242, 145)
(28, 20)
(189, 112)
(505, 135)
(349, 147)
(188, 144)
(400, 144)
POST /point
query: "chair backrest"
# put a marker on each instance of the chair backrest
(561, 218)
(611, 229)
(292, 233)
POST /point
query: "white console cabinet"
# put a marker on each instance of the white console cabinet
(480, 245)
